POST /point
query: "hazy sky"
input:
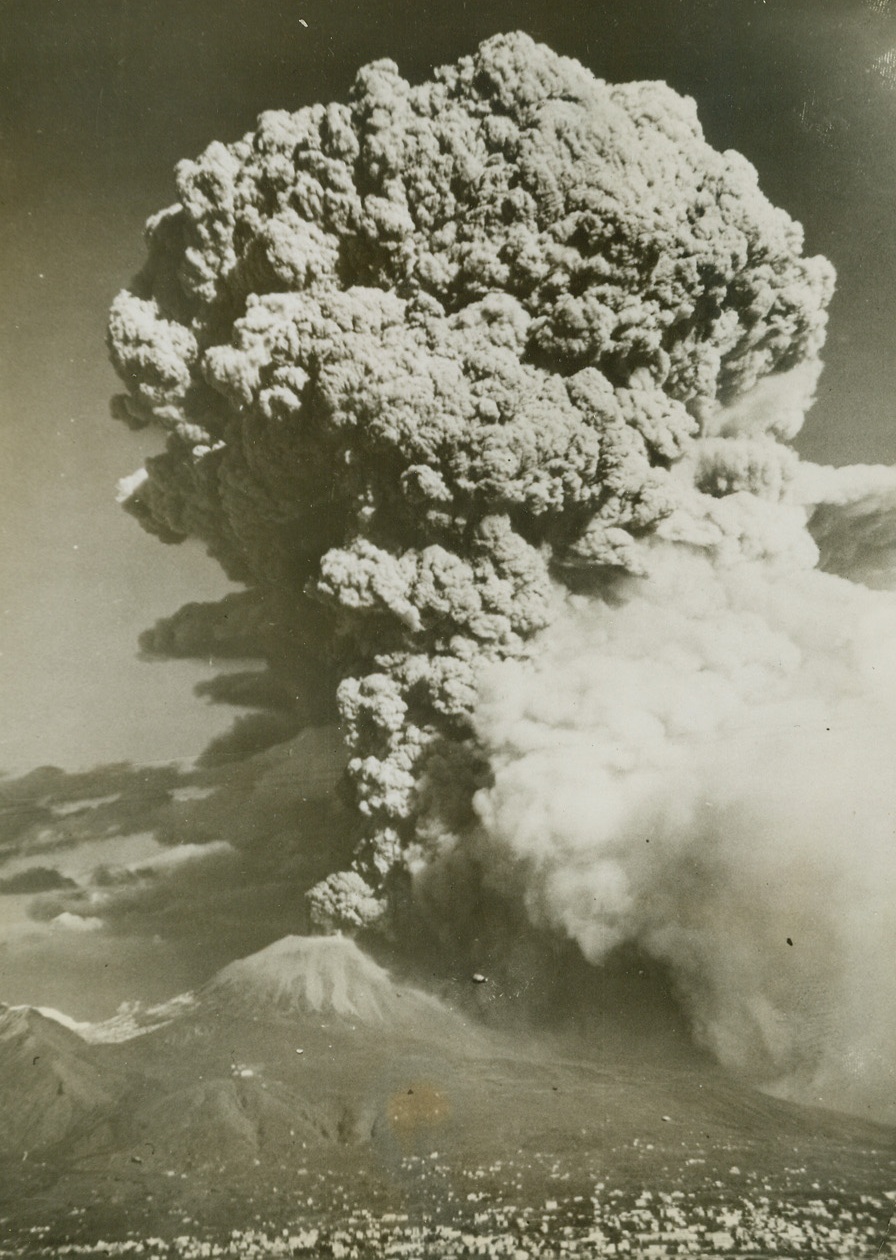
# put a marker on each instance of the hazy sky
(99, 99)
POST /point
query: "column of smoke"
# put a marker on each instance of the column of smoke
(484, 388)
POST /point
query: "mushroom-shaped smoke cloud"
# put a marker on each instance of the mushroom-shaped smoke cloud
(412, 350)
(450, 370)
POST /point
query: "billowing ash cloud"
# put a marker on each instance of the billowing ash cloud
(483, 389)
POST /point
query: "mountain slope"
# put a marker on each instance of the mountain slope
(306, 1075)
(50, 1082)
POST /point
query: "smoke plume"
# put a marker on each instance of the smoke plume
(483, 389)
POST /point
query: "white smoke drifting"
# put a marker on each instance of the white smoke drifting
(705, 768)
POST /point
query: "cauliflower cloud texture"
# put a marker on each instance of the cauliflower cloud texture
(422, 356)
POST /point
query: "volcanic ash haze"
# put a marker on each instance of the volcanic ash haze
(484, 389)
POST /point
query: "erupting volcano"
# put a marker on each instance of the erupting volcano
(577, 701)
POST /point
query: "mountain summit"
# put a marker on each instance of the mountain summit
(317, 975)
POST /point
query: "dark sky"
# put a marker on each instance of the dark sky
(99, 99)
